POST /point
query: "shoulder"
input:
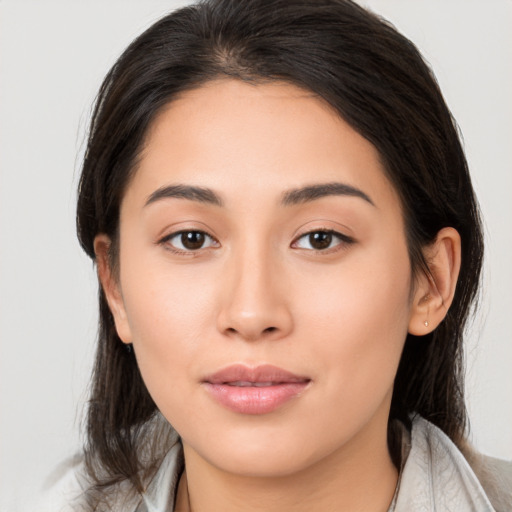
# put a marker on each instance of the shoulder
(436, 475)
(495, 476)
(64, 488)
(68, 489)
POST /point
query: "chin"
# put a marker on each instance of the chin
(263, 452)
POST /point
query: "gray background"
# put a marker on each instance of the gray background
(53, 56)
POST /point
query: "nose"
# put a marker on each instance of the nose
(255, 304)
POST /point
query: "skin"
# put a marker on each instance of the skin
(257, 292)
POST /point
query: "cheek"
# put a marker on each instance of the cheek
(358, 317)
(169, 315)
(160, 296)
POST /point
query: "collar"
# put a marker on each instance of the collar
(436, 476)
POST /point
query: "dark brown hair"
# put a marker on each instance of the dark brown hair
(378, 82)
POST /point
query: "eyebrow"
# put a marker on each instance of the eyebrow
(193, 193)
(312, 192)
(289, 198)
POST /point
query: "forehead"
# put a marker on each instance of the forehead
(240, 137)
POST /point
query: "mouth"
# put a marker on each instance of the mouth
(258, 390)
(247, 384)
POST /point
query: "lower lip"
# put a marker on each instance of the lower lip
(255, 400)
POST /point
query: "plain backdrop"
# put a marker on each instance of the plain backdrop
(53, 56)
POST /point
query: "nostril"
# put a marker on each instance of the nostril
(270, 329)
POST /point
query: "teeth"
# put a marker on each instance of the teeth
(240, 384)
(246, 384)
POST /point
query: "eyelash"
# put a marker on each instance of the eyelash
(166, 241)
(343, 241)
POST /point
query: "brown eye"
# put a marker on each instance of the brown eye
(192, 239)
(188, 241)
(320, 240)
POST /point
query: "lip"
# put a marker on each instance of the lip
(258, 390)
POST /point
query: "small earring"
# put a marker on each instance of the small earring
(426, 323)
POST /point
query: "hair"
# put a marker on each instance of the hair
(378, 82)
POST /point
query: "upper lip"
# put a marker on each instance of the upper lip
(262, 373)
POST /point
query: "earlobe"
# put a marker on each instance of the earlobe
(434, 292)
(110, 285)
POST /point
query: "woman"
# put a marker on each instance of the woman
(288, 246)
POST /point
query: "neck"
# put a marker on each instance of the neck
(359, 477)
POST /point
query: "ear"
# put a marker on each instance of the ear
(110, 283)
(434, 293)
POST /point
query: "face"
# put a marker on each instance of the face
(264, 278)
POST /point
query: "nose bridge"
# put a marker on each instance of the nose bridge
(254, 305)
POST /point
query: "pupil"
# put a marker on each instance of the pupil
(192, 239)
(320, 239)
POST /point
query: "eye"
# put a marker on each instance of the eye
(188, 241)
(321, 240)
